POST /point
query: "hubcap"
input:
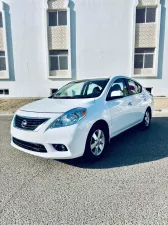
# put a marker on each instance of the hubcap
(147, 119)
(97, 142)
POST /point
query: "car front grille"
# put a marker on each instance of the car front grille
(25, 123)
(29, 146)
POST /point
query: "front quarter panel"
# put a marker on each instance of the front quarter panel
(96, 112)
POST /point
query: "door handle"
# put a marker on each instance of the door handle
(130, 103)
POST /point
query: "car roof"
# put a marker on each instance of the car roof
(100, 78)
(125, 77)
(119, 76)
(104, 78)
(90, 79)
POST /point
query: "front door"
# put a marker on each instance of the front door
(120, 107)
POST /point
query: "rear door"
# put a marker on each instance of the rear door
(120, 108)
(138, 100)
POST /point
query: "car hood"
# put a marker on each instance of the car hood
(56, 105)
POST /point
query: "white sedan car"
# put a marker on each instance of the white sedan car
(81, 118)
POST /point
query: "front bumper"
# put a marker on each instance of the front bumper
(73, 137)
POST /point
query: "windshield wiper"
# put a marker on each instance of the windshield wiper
(65, 97)
(71, 97)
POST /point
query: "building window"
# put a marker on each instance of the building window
(144, 58)
(1, 21)
(57, 18)
(58, 59)
(2, 61)
(4, 92)
(145, 15)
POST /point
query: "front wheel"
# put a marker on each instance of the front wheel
(96, 143)
(147, 120)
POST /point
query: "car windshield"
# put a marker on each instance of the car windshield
(81, 89)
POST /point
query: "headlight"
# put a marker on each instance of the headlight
(69, 118)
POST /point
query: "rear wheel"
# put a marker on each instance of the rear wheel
(147, 120)
(97, 142)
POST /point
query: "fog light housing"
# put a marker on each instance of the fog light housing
(60, 148)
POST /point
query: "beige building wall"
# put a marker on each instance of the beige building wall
(146, 35)
(58, 37)
(57, 4)
(2, 47)
(148, 2)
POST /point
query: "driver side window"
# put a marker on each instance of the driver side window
(118, 86)
(92, 87)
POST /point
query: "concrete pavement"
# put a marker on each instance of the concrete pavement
(128, 186)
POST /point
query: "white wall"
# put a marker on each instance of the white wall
(102, 45)
(28, 78)
(104, 37)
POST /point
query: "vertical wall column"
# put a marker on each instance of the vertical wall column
(4, 65)
(147, 38)
(59, 47)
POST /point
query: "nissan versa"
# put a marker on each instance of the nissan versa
(81, 117)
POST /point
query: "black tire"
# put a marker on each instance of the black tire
(146, 121)
(88, 154)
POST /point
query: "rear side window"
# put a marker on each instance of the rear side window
(134, 88)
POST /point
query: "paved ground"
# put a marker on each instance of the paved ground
(161, 103)
(129, 186)
(9, 106)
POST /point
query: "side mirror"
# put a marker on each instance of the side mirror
(53, 91)
(117, 94)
